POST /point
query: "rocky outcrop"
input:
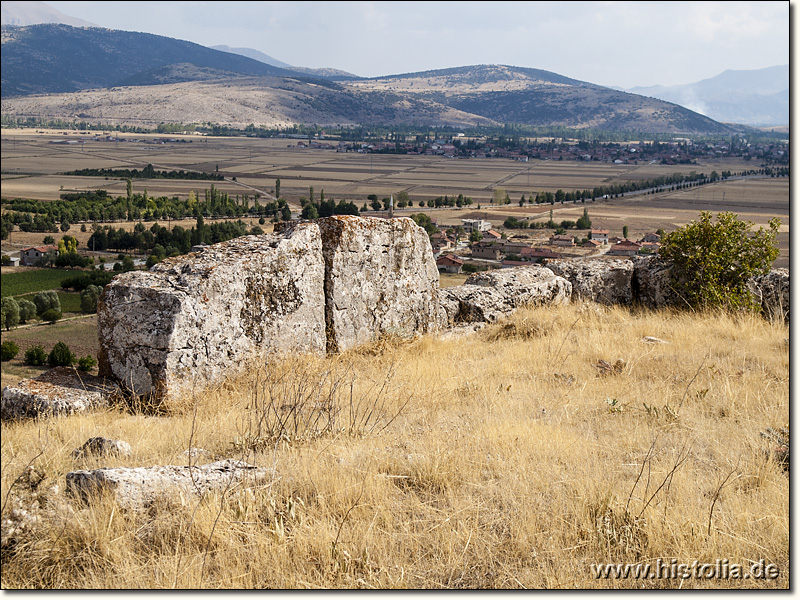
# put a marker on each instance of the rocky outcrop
(771, 292)
(380, 277)
(488, 296)
(194, 319)
(602, 281)
(59, 391)
(138, 487)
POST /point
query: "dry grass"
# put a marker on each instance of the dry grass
(506, 459)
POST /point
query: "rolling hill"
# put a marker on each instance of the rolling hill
(116, 77)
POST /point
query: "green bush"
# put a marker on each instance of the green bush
(60, 356)
(86, 363)
(52, 315)
(8, 350)
(35, 356)
(714, 261)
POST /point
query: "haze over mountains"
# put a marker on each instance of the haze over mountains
(158, 79)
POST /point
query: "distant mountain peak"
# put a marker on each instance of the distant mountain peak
(36, 13)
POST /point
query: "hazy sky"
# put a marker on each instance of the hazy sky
(622, 44)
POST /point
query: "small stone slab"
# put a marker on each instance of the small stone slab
(59, 391)
(138, 487)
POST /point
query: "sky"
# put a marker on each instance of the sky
(615, 44)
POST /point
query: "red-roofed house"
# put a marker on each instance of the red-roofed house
(624, 248)
(30, 256)
(449, 263)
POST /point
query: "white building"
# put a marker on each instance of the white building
(471, 225)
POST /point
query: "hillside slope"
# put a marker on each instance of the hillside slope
(42, 60)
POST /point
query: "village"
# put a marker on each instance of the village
(475, 245)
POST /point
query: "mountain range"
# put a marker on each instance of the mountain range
(756, 97)
(55, 70)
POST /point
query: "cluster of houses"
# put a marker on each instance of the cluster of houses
(516, 252)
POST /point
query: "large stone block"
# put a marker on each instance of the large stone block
(194, 319)
(771, 292)
(380, 277)
(488, 296)
(603, 281)
(651, 282)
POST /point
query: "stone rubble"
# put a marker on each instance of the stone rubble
(59, 391)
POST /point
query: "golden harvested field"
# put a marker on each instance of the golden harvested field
(31, 165)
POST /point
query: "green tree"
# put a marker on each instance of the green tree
(46, 300)
(89, 298)
(278, 188)
(475, 236)
(714, 261)
(310, 211)
(10, 312)
(584, 222)
(27, 310)
(625, 232)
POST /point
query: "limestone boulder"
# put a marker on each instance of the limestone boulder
(602, 281)
(192, 320)
(651, 282)
(59, 391)
(490, 295)
(380, 277)
(771, 292)
(138, 487)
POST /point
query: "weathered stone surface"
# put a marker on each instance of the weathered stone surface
(771, 292)
(602, 281)
(380, 276)
(193, 319)
(487, 296)
(138, 487)
(59, 391)
(651, 282)
(101, 446)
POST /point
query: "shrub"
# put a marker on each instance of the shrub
(86, 363)
(52, 315)
(35, 356)
(60, 356)
(9, 309)
(8, 350)
(714, 261)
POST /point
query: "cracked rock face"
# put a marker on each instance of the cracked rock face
(59, 391)
(488, 296)
(194, 319)
(602, 281)
(380, 277)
